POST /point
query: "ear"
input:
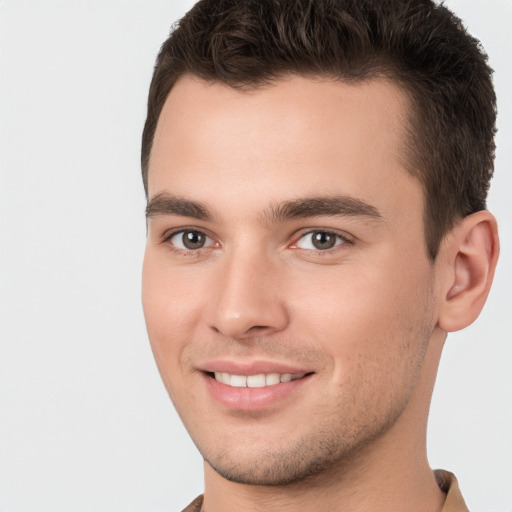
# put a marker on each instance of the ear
(468, 255)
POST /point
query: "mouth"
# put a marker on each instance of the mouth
(248, 391)
(259, 380)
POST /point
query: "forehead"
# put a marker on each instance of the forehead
(297, 137)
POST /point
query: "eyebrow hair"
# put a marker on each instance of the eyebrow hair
(165, 204)
(322, 206)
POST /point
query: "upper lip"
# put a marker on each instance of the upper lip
(251, 367)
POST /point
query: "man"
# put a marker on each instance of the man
(316, 174)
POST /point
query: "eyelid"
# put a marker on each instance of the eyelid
(170, 233)
(345, 238)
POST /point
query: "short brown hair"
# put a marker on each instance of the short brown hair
(421, 46)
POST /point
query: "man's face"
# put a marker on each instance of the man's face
(288, 296)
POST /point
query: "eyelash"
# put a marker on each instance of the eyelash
(167, 237)
(342, 240)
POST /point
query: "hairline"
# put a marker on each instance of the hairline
(381, 72)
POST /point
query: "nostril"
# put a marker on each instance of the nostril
(259, 330)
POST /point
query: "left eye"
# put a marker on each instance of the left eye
(319, 241)
(190, 240)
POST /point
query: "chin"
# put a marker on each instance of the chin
(286, 466)
(326, 449)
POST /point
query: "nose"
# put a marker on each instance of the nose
(249, 300)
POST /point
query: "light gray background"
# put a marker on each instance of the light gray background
(85, 423)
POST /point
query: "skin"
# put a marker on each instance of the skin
(366, 318)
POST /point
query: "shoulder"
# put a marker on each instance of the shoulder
(195, 506)
(449, 485)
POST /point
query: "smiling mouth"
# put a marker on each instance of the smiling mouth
(259, 380)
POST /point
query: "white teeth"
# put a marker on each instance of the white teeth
(272, 379)
(223, 377)
(239, 381)
(256, 381)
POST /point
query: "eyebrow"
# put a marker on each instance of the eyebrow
(331, 206)
(165, 204)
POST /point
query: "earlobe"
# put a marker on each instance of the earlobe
(470, 254)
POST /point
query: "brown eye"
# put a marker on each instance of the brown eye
(193, 239)
(190, 240)
(320, 240)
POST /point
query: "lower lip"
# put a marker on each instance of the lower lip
(252, 399)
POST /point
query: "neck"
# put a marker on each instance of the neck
(391, 473)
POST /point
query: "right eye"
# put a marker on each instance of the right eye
(190, 240)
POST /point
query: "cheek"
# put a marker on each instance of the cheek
(361, 316)
(375, 334)
(171, 318)
(171, 311)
